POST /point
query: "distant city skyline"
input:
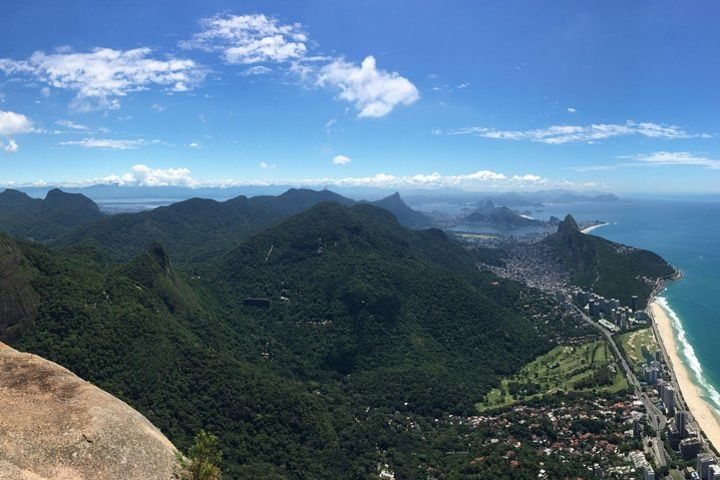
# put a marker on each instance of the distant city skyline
(401, 95)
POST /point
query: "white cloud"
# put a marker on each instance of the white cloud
(247, 39)
(374, 92)
(12, 123)
(260, 39)
(109, 143)
(571, 110)
(157, 107)
(656, 159)
(559, 134)
(329, 125)
(10, 146)
(72, 125)
(341, 160)
(194, 145)
(142, 175)
(676, 158)
(528, 178)
(45, 92)
(256, 70)
(99, 78)
(481, 180)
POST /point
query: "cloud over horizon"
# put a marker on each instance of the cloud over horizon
(143, 175)
(559, 134)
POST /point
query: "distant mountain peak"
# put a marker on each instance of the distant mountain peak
(568, 225)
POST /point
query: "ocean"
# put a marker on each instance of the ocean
(686, 232)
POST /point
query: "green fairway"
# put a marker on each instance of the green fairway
(639, 347)
(587, 367)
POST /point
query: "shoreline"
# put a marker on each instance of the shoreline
(589, 229)
(705, 418)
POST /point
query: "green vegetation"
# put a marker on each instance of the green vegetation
(375, 339)
(639, 346)
(198, 230)
(308, 388)
(25, 217)
(203, 459)
(566, 368)
(609, 269)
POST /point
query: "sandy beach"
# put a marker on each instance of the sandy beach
(593, 227)
(702, 413)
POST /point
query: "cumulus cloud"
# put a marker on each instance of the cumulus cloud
(259, 40)
(559, 134)
(100, 77)
(142, 175)
(571, 109)
(10, 146)
(479, 180)
(341, 160)
(194, 145)
(374, 92)
(12, 123)
(109, 143)
(247, 39)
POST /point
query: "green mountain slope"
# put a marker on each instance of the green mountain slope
(197, 229)
(44, 219)
(608, 268)
(402, 212)
(354, 293)
(370, 326)
(500, 217)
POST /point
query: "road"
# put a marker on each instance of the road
(656, 418)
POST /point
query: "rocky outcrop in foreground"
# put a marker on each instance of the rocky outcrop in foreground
(54, 425)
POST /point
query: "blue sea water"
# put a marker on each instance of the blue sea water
(686, 232)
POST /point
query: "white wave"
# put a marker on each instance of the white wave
(691, 359)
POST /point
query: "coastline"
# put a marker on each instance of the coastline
(705, 417)
(589, 229)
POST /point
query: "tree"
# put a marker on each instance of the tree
(202, 459)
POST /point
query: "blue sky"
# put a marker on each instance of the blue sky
(477, 95)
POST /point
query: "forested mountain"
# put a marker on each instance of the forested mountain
(305, 349)
(500, 217)
(402, 212)
(44, 219)
(197, 229)
(610, 269)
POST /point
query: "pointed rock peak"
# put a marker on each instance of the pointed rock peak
(394, 198)
(488, 204)
(568, 225)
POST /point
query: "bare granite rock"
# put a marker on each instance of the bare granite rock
(54, 425)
